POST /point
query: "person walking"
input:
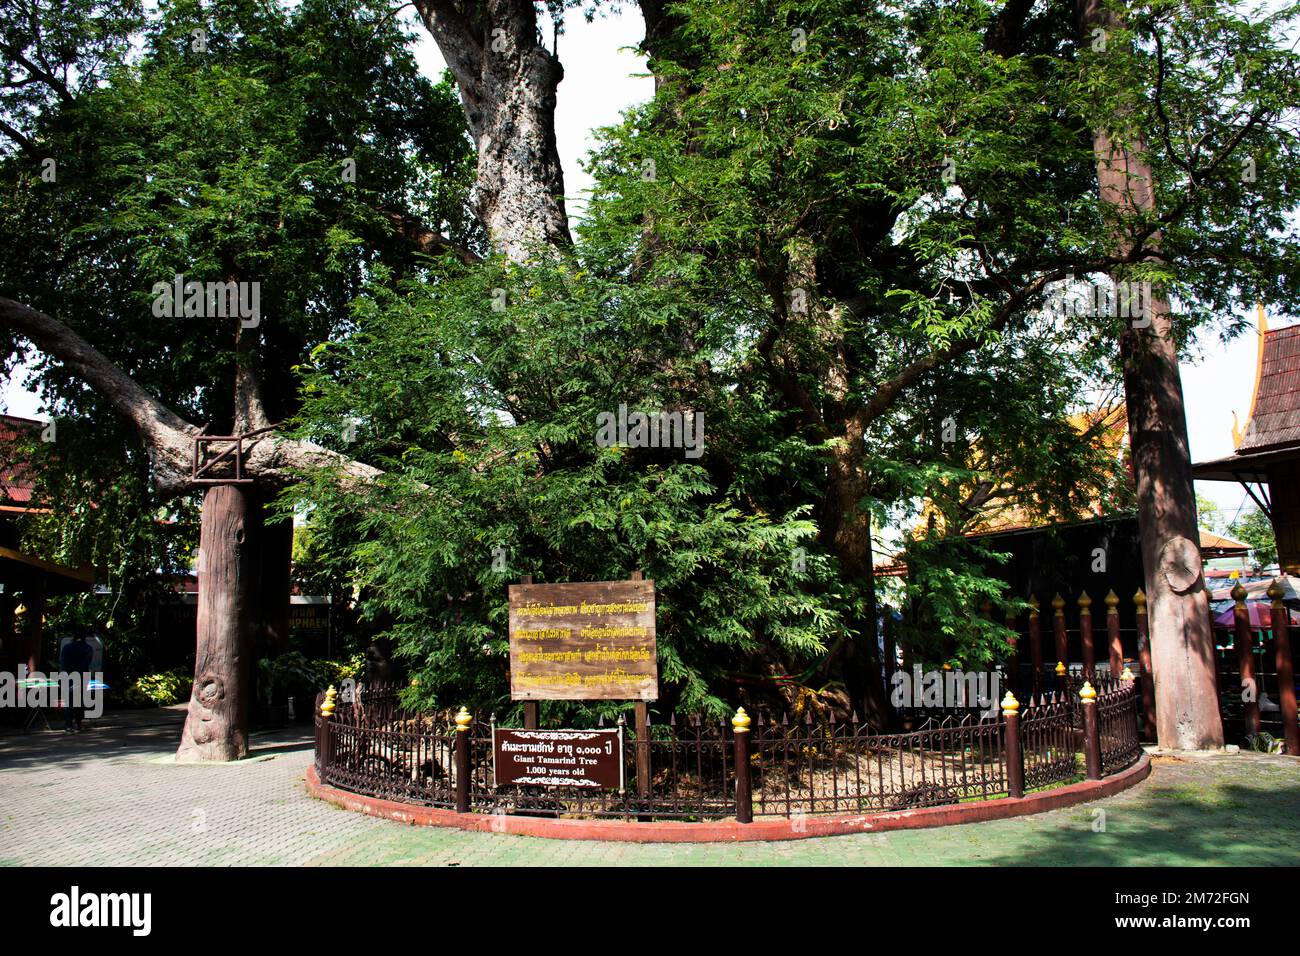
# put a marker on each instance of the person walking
(75, 658)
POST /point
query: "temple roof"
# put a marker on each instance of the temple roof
(1275, 414)
(1272, 433)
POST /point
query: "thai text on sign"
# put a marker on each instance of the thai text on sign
(589, 641)
(558, 758)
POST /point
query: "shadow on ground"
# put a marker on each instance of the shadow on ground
(126, 735)
(1221, 811)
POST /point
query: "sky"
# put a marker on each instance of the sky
(603, 76)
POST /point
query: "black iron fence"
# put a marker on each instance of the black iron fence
(706, 768)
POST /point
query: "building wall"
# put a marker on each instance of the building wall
(1284, 489)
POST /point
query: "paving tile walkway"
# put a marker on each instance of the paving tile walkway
(110, 796)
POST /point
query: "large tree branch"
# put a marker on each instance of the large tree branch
(423, 239)
(168, 436)
(270, 458)
(507, 82)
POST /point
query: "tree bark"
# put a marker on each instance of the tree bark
(1182, 641)
(507, 82)
(216, 727)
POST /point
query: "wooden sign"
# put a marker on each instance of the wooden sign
(593, 641)
(558, 758)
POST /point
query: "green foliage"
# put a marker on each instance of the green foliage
(773, 241)
(1256, 529)
(292, 672)
(485, 423)
(226, 162)
(161, 690)
(332, 673)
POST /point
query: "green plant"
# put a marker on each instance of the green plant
(335, 672)
(161, 689)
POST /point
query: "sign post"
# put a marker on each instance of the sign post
(585, 641)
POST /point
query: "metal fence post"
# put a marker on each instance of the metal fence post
(1091, 733)
(1015, 758)
(1285, 669)
(463, 723)
(744, 795)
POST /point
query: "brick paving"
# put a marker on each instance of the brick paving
(111, 797)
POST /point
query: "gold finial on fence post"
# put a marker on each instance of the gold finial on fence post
(327, 705)
(1060, 668)
(740, 722)
(1140, 599)
(1087, 693)
(1058, 604)
(1127, 675)
(1009, 704)
(464, 720)
(1239, 594)
(1112, 602)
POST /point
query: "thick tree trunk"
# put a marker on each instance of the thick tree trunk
(1182, 641)
(846, 530)
(507, 81)
(216, 727)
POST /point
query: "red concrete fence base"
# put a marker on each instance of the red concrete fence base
(730, 831)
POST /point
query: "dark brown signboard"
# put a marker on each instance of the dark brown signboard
(593, 641)
(559, 758)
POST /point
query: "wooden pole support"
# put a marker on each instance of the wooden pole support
(1113, 643)
(1144, 666)
(641, 712)
(531, 708)
(1285, 669)
(1035, 645)
(1058, 628)
(1085, 636)
(1243, 639)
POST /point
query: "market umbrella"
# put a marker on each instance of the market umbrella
(1260, 615)
(1258, 590)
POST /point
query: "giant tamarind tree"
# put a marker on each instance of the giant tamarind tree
(873, 201)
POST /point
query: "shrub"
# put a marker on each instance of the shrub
(160, 690)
